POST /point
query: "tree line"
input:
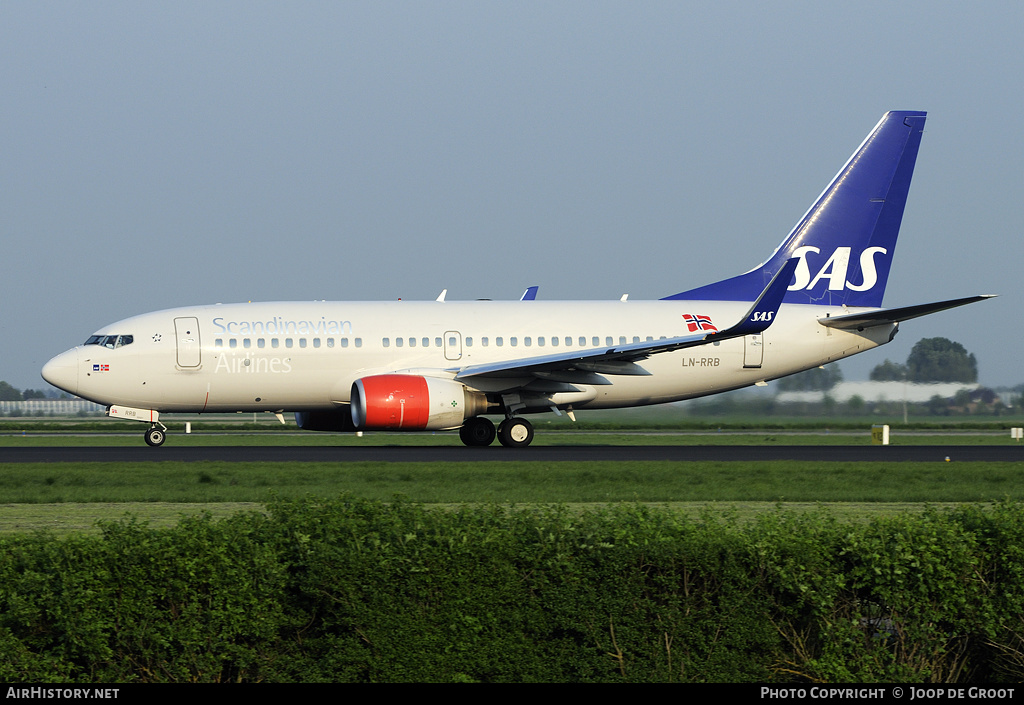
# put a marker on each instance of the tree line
(10, 393)
(931, 360)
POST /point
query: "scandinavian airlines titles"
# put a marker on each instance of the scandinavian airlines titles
(283, 326)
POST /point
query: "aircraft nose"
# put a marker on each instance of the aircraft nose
(62, 371)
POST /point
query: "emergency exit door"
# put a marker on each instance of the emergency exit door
(753, 350)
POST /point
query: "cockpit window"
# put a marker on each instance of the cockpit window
(110, 341)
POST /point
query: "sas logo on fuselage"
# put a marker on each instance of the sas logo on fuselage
(835, 269)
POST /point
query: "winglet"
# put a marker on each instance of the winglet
(761, 314)
(530, 294)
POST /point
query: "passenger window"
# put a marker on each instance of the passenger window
(398, 342)
(359, 342)
(261, 343)
(412, 342)
(316, 342)
(513, 341)
(344, 342)
(288, 342)
(469, 342)
(302, 342)
(636, 338)
(275, 343)
(527, 341)
(218, 343)
(608, 340)
(425, 342)
(540, 341)
(233, 343)
(386, 342)
(438, 343)
(330, 342)
(499, 341)
(483, 341)
(247, 343)
(596, 341)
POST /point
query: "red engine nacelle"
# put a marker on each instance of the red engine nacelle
(412, 403)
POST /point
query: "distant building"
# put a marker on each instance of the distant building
(879, 391)
(49, 407)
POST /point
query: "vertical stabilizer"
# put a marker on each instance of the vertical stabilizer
(845, 242)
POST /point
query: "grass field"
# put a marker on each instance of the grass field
(73, 496)
(543, 438)
(69, 496)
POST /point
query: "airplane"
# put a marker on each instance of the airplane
(447, 365)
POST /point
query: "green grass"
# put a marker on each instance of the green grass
(518, 482)
(544, 437)
(70, 496)
(81, 518)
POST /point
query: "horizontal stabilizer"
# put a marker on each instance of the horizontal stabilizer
(859, 321)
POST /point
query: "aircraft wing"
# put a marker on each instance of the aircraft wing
(895, 315)
(621, 359)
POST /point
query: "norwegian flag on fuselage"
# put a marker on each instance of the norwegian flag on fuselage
(695, 323)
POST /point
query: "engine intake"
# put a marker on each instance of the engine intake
(412, 403)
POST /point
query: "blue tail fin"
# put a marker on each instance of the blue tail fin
(846, 241)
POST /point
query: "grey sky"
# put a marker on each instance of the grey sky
(165, 154)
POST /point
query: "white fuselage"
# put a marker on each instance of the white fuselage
(304, 356)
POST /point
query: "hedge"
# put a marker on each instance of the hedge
(354, 590)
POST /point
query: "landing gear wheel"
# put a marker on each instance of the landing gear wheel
(515, 433)
(477, 432)
(155, 437)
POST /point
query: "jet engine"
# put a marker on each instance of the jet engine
(412, 403)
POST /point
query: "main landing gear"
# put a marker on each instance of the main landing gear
(477, 432)
(513, 432)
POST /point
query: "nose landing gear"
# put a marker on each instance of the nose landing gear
(155, 436)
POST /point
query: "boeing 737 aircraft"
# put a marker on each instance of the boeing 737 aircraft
(435, 365)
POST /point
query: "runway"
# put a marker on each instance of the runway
(543, 454)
